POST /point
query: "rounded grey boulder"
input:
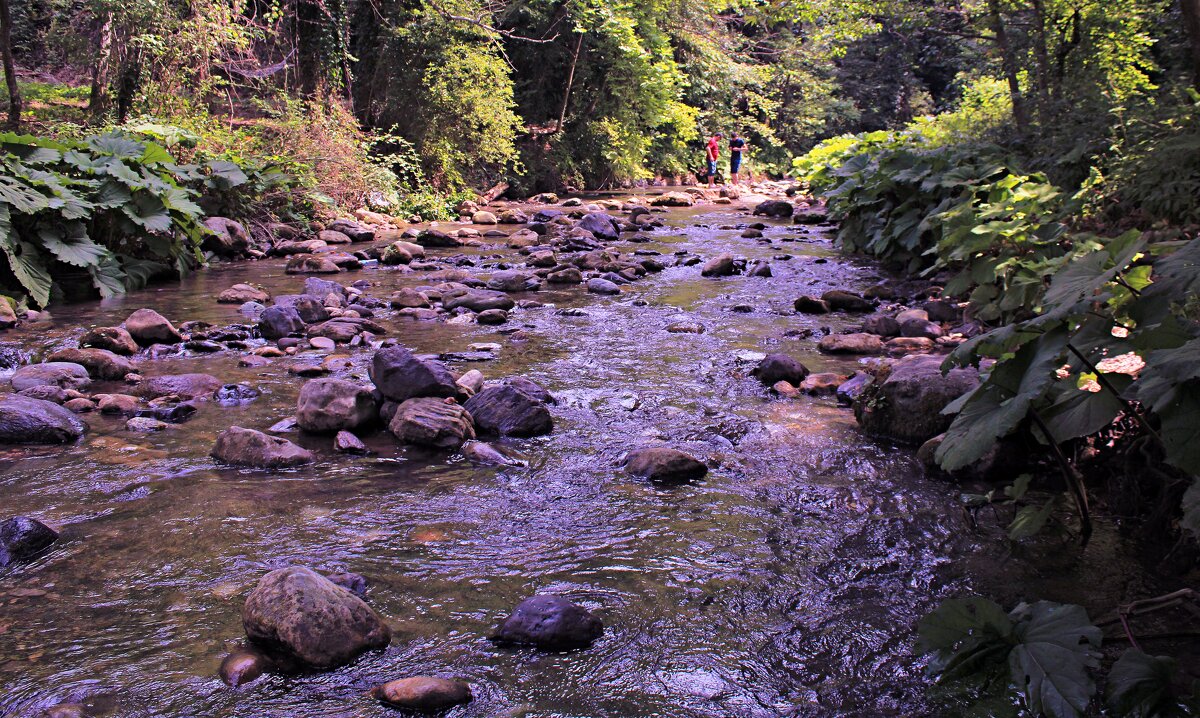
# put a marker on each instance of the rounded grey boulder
(332, 405)
(551, 623)
(26, 420)
(302, 615)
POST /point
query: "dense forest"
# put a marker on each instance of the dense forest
(1028, 168)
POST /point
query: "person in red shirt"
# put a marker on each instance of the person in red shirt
(712, 155)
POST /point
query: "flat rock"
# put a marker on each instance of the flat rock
(859, 343)
(100, 363)
(665, 465)
(432, 422)
(247, 447)
(423, 694)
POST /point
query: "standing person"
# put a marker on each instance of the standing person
(712, 155)
(737, 146)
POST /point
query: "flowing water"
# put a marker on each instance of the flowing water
(786, 583)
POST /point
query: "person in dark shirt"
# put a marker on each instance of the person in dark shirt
(737, 146)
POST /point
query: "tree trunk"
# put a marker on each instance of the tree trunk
(101, 69)
(1042, 56)
(562, 113)
(1191, 23)
(1009, 62)
(10, 68)
(310, 68)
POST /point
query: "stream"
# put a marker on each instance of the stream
(788, 582)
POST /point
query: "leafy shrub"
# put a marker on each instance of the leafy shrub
(119, 209)
(910, 201)
(1045, 655)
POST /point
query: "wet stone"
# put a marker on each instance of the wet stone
(23, 538)
(550, 623)
(423, 694)
(243, 666)
(247, 447)
(664, 465)
(24, 420)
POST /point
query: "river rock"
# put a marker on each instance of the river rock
(665, 465)
(551, 623)
(436, 238)
(145, 425)
(301, 614)
(423, 694)
(850, 389)
(242, 293)
(942, 310)
(810, 305)
(356, 231)
(906, 405)
(602, 286)
(511, 280)
(532, 388)
(492, 317)
(119, 404)
(567, 275)
(409, 298)
(673, 199)
(332, 405)
(187, 386)
(780, 367)
(483, 217)
(235, 394)
(394, 254)
(719, 266)
(601, 225)
(311, 264)
(859, 343)
(8, 315)
(64, 375)
(508, 411)
(247, 447)
(842, 301)
(821, 384)
(909, 345)
(23, 538)
(347, 443)
(774, 208)
(477, 300)
(920, 328)
(483, 453)
(277, 322)
(432, 422)
(100, 363)
(114, 339)
(310, 308)
(243, 666)
(147, 327)
(882, 325)
(227, 239)
(400, 375)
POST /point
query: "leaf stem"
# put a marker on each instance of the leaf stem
(1072, 477)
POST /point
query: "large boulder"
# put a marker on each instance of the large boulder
(439, 423)
(23, 538)
(400, 375)
(513, 280)
(332, 405)
(551, 623)
(100, 363)
(247, 447)
(356, 231)
(25, 420)
(147, 327)
(114, 339)
(601, 225)
(227, 239)
(843, 301)
(279, 322)
(64, 375)
(780, 367)
(300, 614)
(774, 208)
(665, 465)
(423, 694)
(906, 404)
(508, 411)
(673, 199)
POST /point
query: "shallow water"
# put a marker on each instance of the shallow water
(786, 583)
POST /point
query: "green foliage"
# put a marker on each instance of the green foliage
(118, 208)
(1046, 650)
(909, 200)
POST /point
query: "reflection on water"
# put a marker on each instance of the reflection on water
(784, 584)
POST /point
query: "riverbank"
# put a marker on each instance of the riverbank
(786, 582)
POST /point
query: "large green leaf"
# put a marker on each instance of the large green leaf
(25, 262)
(1083, 413)
(116, 146)
(1055, 648)
(1180, 429)
(1030, 520)
(148, 212)
(69, 242)
(108, 276)
(1139, 686)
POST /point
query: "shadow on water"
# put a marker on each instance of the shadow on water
(786, 583)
